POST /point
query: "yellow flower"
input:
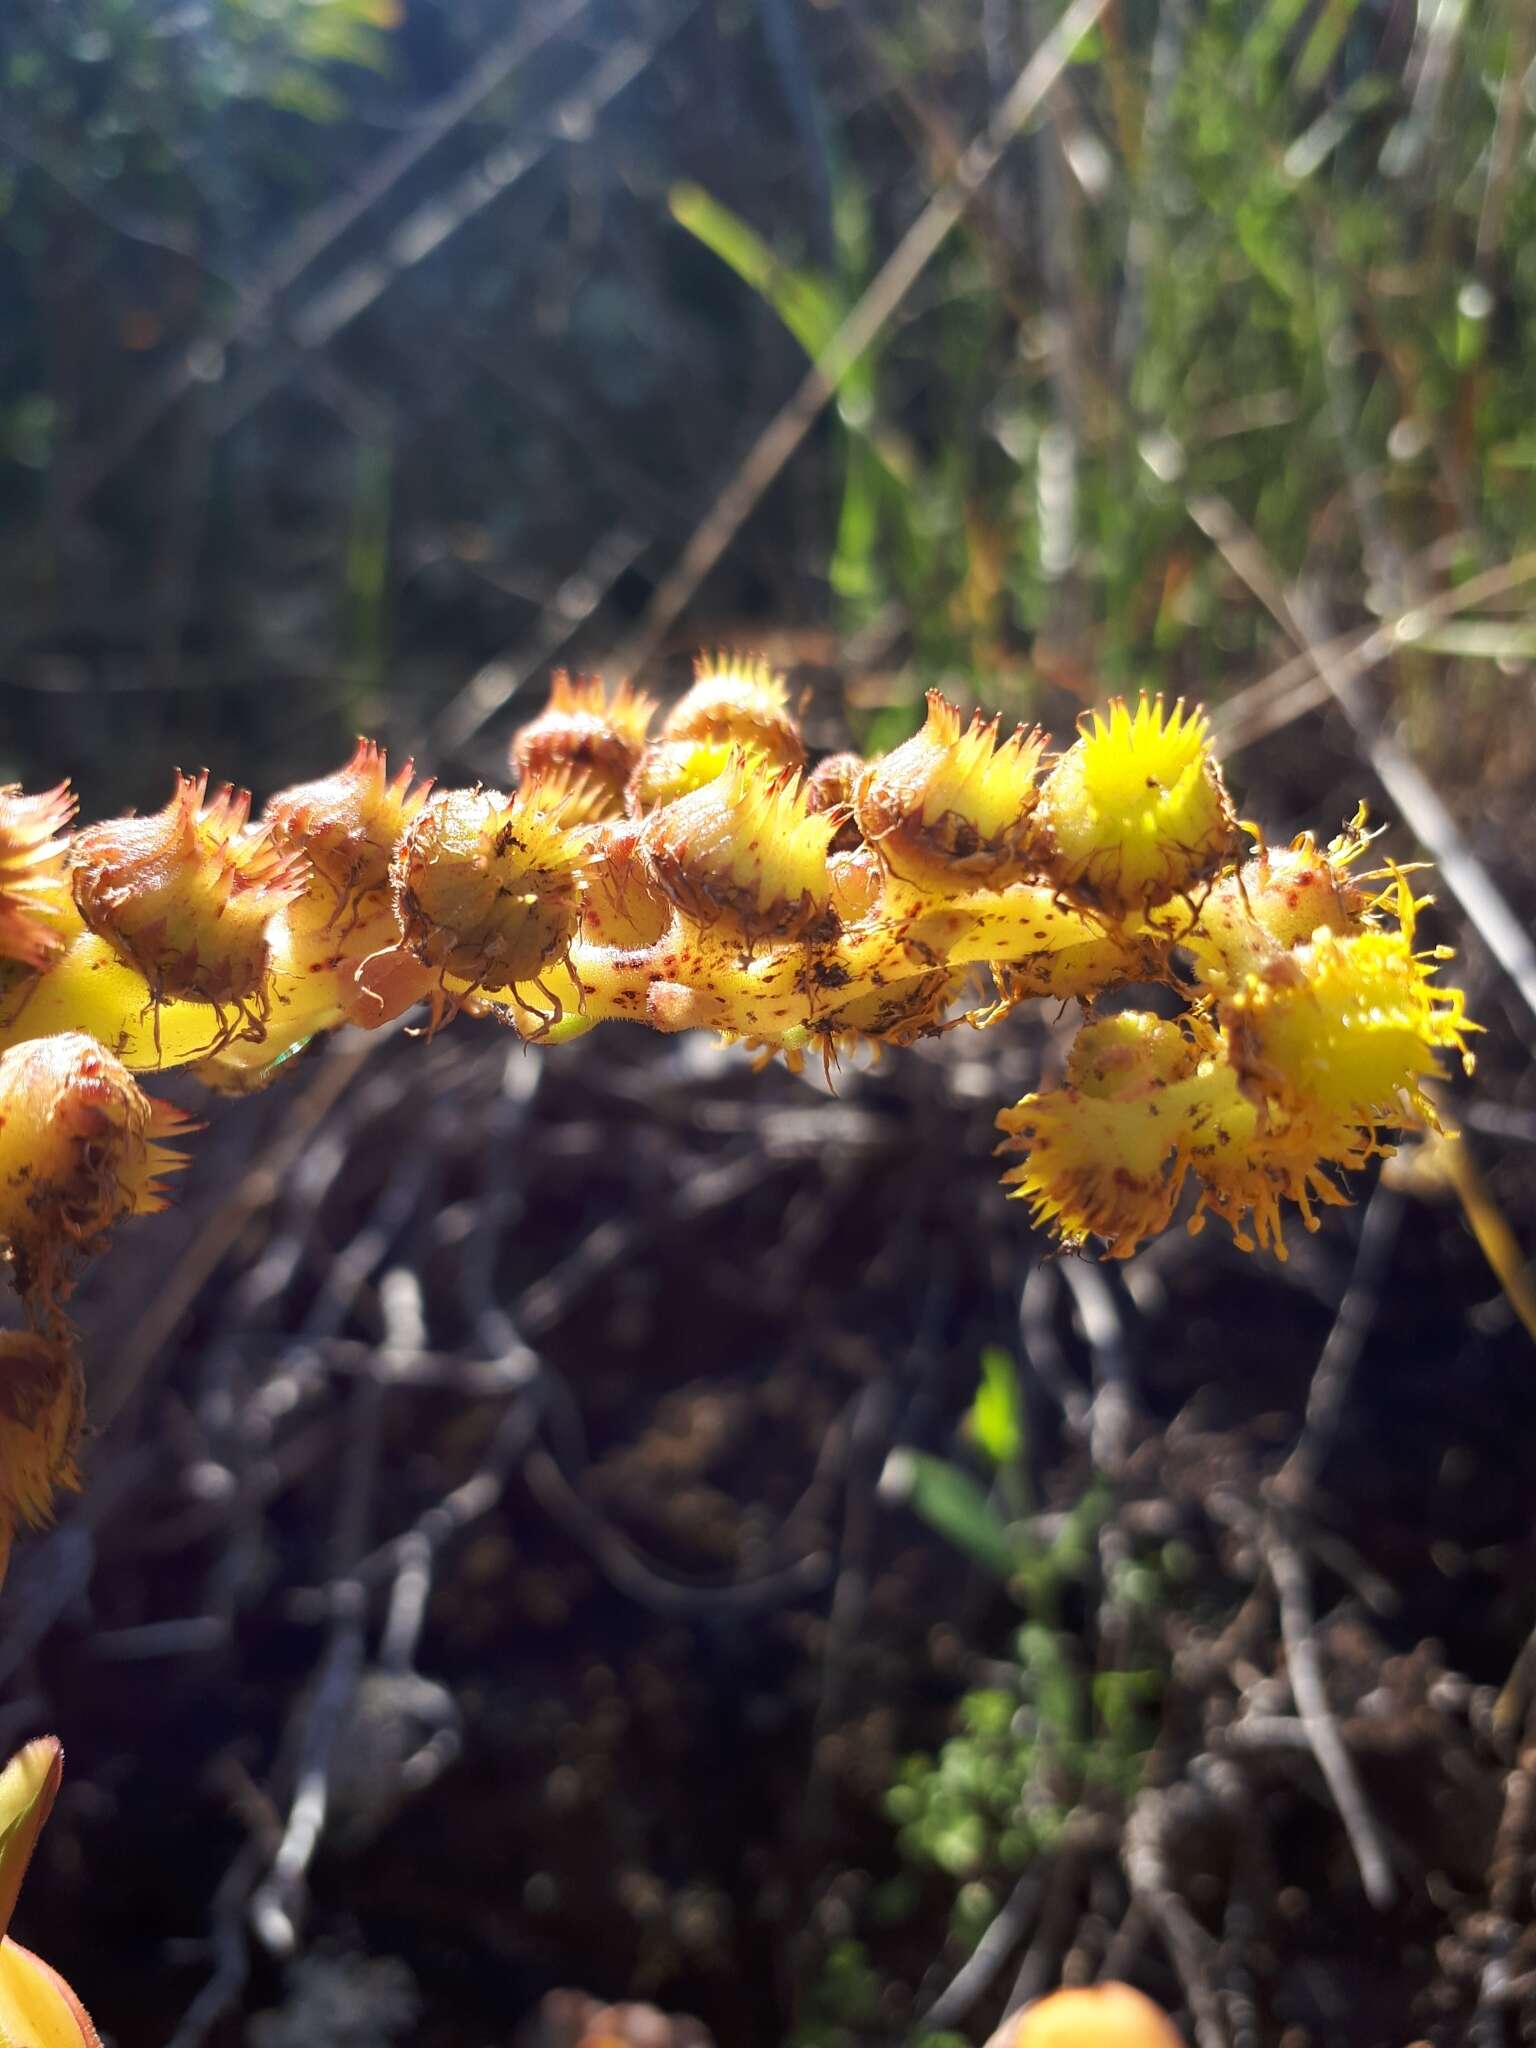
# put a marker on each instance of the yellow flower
(1351, 1024)
(1135, 812)
(1104, 1155)
(668, 769)
(746, 852)
(37, 2008)
(488, 888)
(951, 808)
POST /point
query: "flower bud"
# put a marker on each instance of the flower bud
(951, 809)
(349, 825)
(34, 896)
(741, 702)
(745, 851)
(488, 887)
(1278, 900)
(1135, 811)
(80, 1146)
(185, 896)
(583, 728)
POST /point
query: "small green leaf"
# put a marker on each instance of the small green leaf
(997, 1413)
(951, 1503)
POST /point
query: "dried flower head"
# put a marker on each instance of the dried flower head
(349, 825)
(583, 727)
(185, 896)
(952, 808)
(80, 1146)
(488, 888)
(741, 701)
(1135, 811)
(746, 851)
(33, 892)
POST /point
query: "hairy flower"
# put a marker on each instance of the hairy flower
(1104, 1154)
(583, 728)
(952, 808)
(185, 896)
(80, 1146)
(742, 702)
(33, 892)
(488, 888)
(1135, 811)
(1352, 1024)
(746, 851)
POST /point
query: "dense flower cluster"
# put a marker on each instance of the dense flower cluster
(703, 874)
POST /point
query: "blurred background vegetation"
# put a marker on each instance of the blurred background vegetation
(362, 359)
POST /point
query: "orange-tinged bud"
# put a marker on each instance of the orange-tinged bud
(951, 808)
(745, 851)
(858, 883)
(1135, 812)
(37, 2008)
(742, 702)
(185, 896)
(583, 728)
(80, 1146)
(42, 1409)
(669, 769)
(622, 905)
(1094, 2016)
(488, 888)
(349, 825)
(34, 895)
(1278, 899)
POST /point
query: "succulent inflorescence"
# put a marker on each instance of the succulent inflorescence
(705, 876)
